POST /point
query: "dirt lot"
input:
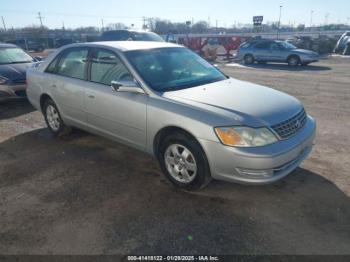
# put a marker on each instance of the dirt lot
(85, 195)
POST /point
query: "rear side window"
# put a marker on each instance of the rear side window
(73, 63)
(263, 45)
(107, 67)
(246, 45)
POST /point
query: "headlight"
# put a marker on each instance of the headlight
(241, 136)
(3, 80)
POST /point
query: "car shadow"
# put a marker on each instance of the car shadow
(82, 193)
(14, 108)
(285, 67)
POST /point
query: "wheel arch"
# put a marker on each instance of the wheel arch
(166, 131)
(294, 55)
(249, 54)
(43, 98)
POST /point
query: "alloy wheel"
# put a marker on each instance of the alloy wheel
(180, 163)
(53, 118)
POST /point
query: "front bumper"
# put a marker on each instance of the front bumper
(260, 165)
(309, 59)
(15, 91)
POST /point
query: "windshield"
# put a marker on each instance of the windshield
(170, 69)
(287, 45)
(14, 55)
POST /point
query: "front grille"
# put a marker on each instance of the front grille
(288, 128)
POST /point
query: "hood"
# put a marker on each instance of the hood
(305, 52)
(247, 103)
(14, 71)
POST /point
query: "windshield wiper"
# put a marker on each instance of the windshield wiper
(20, 62)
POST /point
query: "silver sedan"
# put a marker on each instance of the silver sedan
(263, 51)
(165, 100)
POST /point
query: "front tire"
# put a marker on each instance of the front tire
(184, 162)
(248, 59)
(53, 119)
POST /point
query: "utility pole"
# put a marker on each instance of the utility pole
(326, 19)
(102, 24)
(279, 22)
(3, 23)
(311, 16)
(41, 19)
(144, 26)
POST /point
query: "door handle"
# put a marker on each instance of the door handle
(91, 96)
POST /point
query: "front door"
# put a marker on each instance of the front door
(262, 51)
(119, 115)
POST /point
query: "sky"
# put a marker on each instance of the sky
(77, 13)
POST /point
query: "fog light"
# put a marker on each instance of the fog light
(255, 173)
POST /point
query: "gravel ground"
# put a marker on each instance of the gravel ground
(82, 194)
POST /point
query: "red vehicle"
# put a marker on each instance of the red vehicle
(197, 43)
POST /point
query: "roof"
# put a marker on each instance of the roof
(2, 45)
(129, 45)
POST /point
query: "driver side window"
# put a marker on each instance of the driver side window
(107, 67)
(276, 46)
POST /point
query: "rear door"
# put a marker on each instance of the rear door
(66, 85)
(119, 115)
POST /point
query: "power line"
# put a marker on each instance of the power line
(66, 14)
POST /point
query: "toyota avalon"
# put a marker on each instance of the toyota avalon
(165, 100)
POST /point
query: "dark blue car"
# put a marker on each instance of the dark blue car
(13, 66)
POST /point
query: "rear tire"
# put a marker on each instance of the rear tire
(184, 162)
(248, 59)
(293, 60)
(53, 119)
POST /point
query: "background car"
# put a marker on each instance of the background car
(125, 35)
(28, 45)
(14, 63)
(263, 51)
(343, 44)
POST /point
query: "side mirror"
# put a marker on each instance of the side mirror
(38, 58)
(127, 86)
